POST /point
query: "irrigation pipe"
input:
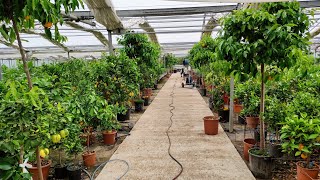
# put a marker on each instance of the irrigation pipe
(167, 132)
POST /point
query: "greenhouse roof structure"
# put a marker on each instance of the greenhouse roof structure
(175, 25)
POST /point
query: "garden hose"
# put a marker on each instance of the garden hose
(167, 132)
(91, 177)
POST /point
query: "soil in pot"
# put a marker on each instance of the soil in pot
(260, 163)
(252, 122)
(74, 172)
(306, 173)
(224, 115)
(109, 138)
(89, 158)
(60, 171)
(247, 144)
(45, 167)
(138, 106)
(123, 117)
(275, 149)
(211, 125)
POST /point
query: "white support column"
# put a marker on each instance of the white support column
(110, 42)
(231, 104)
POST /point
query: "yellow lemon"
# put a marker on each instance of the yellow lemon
(42, 153)
(46, 150)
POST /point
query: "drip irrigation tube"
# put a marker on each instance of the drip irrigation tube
(167, 132)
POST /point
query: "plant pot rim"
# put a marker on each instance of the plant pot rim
(78, 167)
(112, 132)
(211, 118)
(88, 153)
(316, 166)
(256, 155)
(35, 167)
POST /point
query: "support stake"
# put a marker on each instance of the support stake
(110, 42)
(231, 104)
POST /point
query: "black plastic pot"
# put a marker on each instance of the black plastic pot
(123, 117)
(174, 71)
(224, 115)
(241, 120)
(138, 106)
(256, 134)
(74, 172)
(155, 86)
(203, 91)
(210, 103)
(60, 172)
(146, 101)
(260, 166)
(275, 150)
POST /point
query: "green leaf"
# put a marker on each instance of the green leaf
(5, 166)
(298, 153)
(313, 136)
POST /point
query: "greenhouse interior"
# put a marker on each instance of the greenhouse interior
(162, 89)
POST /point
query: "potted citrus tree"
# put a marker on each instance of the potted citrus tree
(109, 125)
(301, 136)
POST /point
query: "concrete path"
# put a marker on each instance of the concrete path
(202, 156)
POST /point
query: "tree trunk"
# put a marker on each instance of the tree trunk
(23, 54)
(262, 138)
(26, 70)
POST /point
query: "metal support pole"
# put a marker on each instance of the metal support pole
(0, 72)
(110, 42)
(231, 104)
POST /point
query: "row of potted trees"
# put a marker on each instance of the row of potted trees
(277, 87)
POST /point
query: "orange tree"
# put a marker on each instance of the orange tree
(17, 15)
(271, 34)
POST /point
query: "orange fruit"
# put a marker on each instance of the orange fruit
(303, 156)
(301, 146)
(48, 24)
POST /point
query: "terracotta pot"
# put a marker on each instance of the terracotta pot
(109, 138)
(45, 171)
(307, 174)
(211, 125)
(252, 122)
(147, 92)
(89, 158)
(225, 98)
(237, 108)
(247, 144)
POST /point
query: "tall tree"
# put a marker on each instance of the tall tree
(267, 34)
(16, 15)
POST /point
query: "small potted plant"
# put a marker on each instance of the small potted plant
(108, 125)
(301, 136)
(138, 104)
(74, 148)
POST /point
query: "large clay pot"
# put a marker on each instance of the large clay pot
(89, 158)
(109, 138)
(147, 92)
(252, 122)
(307, 174)
(45, 171)
(211, 125)
(247, 144)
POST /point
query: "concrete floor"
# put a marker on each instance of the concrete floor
(202, 156)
